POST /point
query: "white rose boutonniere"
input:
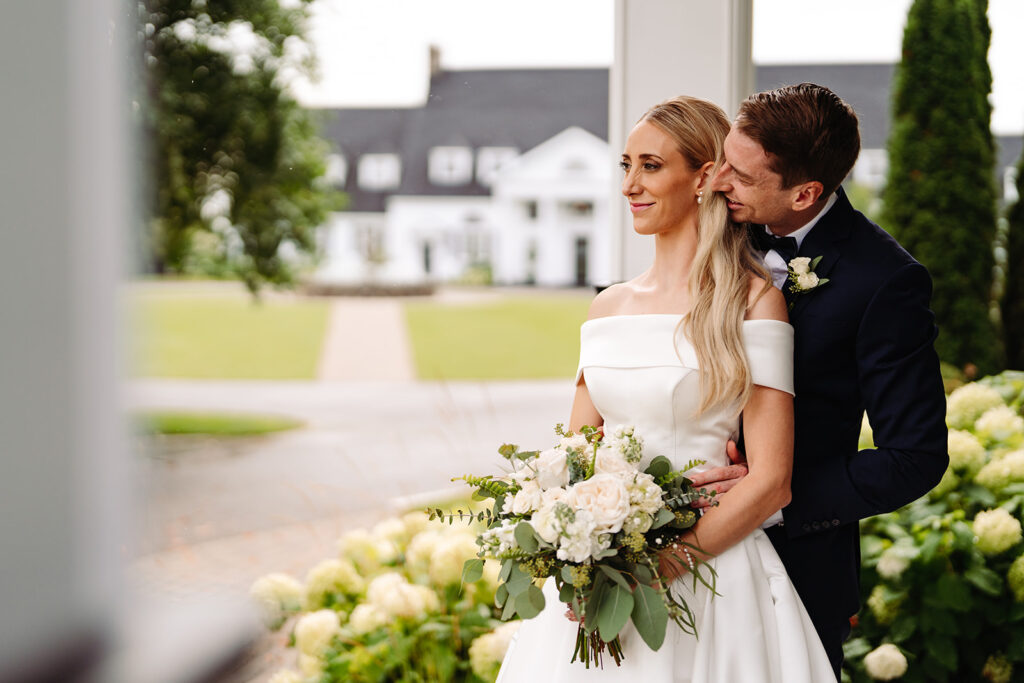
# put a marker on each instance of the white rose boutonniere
(802, 278)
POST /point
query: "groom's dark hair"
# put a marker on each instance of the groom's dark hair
(808, 132)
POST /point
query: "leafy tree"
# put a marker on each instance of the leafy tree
(238, 164)
(940, 196)
(1013, 295)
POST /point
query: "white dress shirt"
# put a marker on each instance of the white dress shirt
(779, 269)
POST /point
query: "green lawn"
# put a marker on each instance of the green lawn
(215, 332)
(525, 337)
(213, 424)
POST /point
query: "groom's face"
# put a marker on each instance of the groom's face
(752, 189)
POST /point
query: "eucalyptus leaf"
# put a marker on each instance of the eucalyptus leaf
(472, 570)
(985, 580)
(506, 569)
(530, 602)
(566, 593)
(594, 601)
(659, 467)
(526, 538)
(518, 581)
(650, 616)
(614, 612)
(615, 575)
(500, 595)
(663, 517)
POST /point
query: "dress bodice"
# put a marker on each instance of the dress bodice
(641, 371)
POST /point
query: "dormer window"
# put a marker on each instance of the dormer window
(489, 160)
(379, 171)
(450, 165)
(337, 169)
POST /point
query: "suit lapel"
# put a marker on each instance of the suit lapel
(824, 240)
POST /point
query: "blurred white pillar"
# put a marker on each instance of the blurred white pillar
(64, 198)
(665, 48)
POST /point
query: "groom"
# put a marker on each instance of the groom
(863, 342)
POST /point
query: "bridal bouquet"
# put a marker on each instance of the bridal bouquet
(590, 516)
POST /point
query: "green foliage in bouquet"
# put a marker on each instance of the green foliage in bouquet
(943, 577)
(586, 515)
(391, 607)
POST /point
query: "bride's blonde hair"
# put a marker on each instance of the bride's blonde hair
(719, 279)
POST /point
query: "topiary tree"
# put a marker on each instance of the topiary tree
(1013, 295)
(940, 195)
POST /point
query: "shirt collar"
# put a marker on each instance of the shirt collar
(802, 232)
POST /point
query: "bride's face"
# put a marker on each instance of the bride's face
(659, 183)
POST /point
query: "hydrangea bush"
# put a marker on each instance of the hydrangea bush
(391, 607)
(943, 577)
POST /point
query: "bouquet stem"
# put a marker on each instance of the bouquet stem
(590, 648)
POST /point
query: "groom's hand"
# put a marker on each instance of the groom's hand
(721, 479)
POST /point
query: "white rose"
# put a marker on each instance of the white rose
(366, 618)
(314, 632)
(645, 494)
(552, 468)
(885, 663)
(545, 523)
(610, 461)
(606, 498)
(527, 499)
(807, 281)
(801, 265)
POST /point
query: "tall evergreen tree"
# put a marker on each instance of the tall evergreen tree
(940, 195)
(238, 163)
(1013, 295)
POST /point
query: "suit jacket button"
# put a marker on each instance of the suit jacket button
(807, 527)
(815, 525)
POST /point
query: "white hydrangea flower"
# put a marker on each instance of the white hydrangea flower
(807, 281)
(331, 576)
(314, 632)
(367, 617)
(1000, 423)
(801, 265)
(366, 550)
(414, 522)
(421, 547)
(967, 403)
(448, 557)
(996, 530)
(965, 451)
(892, 564)
(310, 666)
(277, 595)
(885, 663)
(606, 498)
(391, 529)
(487, 651)
(393, 594)
(1003, 471)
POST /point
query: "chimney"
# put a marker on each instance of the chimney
(435, 60)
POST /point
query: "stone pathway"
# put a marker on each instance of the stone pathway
(366, 339)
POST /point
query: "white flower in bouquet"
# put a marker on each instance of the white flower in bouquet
(625, 440)
(277, 595)
(367, 617)
(286, 676)
(488, 650)
(885, 663)
(967, 403)
(576, 442)
(331, 576)
(314, 631)
(393, 594)
(579, 538)
(1000, 423)
(367, 551)
(545, 521)
(500, 538)
(1003, 471)
(801, 265)
(645, 494)
(965, 451)
(996, 530)
(605, 497)
(611, 461)
(527, 499)
(892, 564)
(551, 468)
(448, 557)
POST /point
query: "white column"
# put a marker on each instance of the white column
(665, 48)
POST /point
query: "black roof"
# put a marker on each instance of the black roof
(522, 108)
(518, 108)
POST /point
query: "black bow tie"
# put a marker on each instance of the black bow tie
(786, 247)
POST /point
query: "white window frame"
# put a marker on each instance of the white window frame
(450, 165)
(380, 171)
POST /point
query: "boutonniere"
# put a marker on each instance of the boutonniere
(802, 278)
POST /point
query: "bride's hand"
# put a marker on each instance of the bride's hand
(721, 479)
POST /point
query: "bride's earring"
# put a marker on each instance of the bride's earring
(700, 196)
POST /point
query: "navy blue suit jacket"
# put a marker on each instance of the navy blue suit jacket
(863, 341)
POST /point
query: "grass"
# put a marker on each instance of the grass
(215, 333)
(526, 337)
(213, 424)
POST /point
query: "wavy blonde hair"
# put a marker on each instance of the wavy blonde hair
(719, 279)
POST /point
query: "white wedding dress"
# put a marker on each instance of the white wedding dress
(756, 630)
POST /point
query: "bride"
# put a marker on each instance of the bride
(678, 352)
